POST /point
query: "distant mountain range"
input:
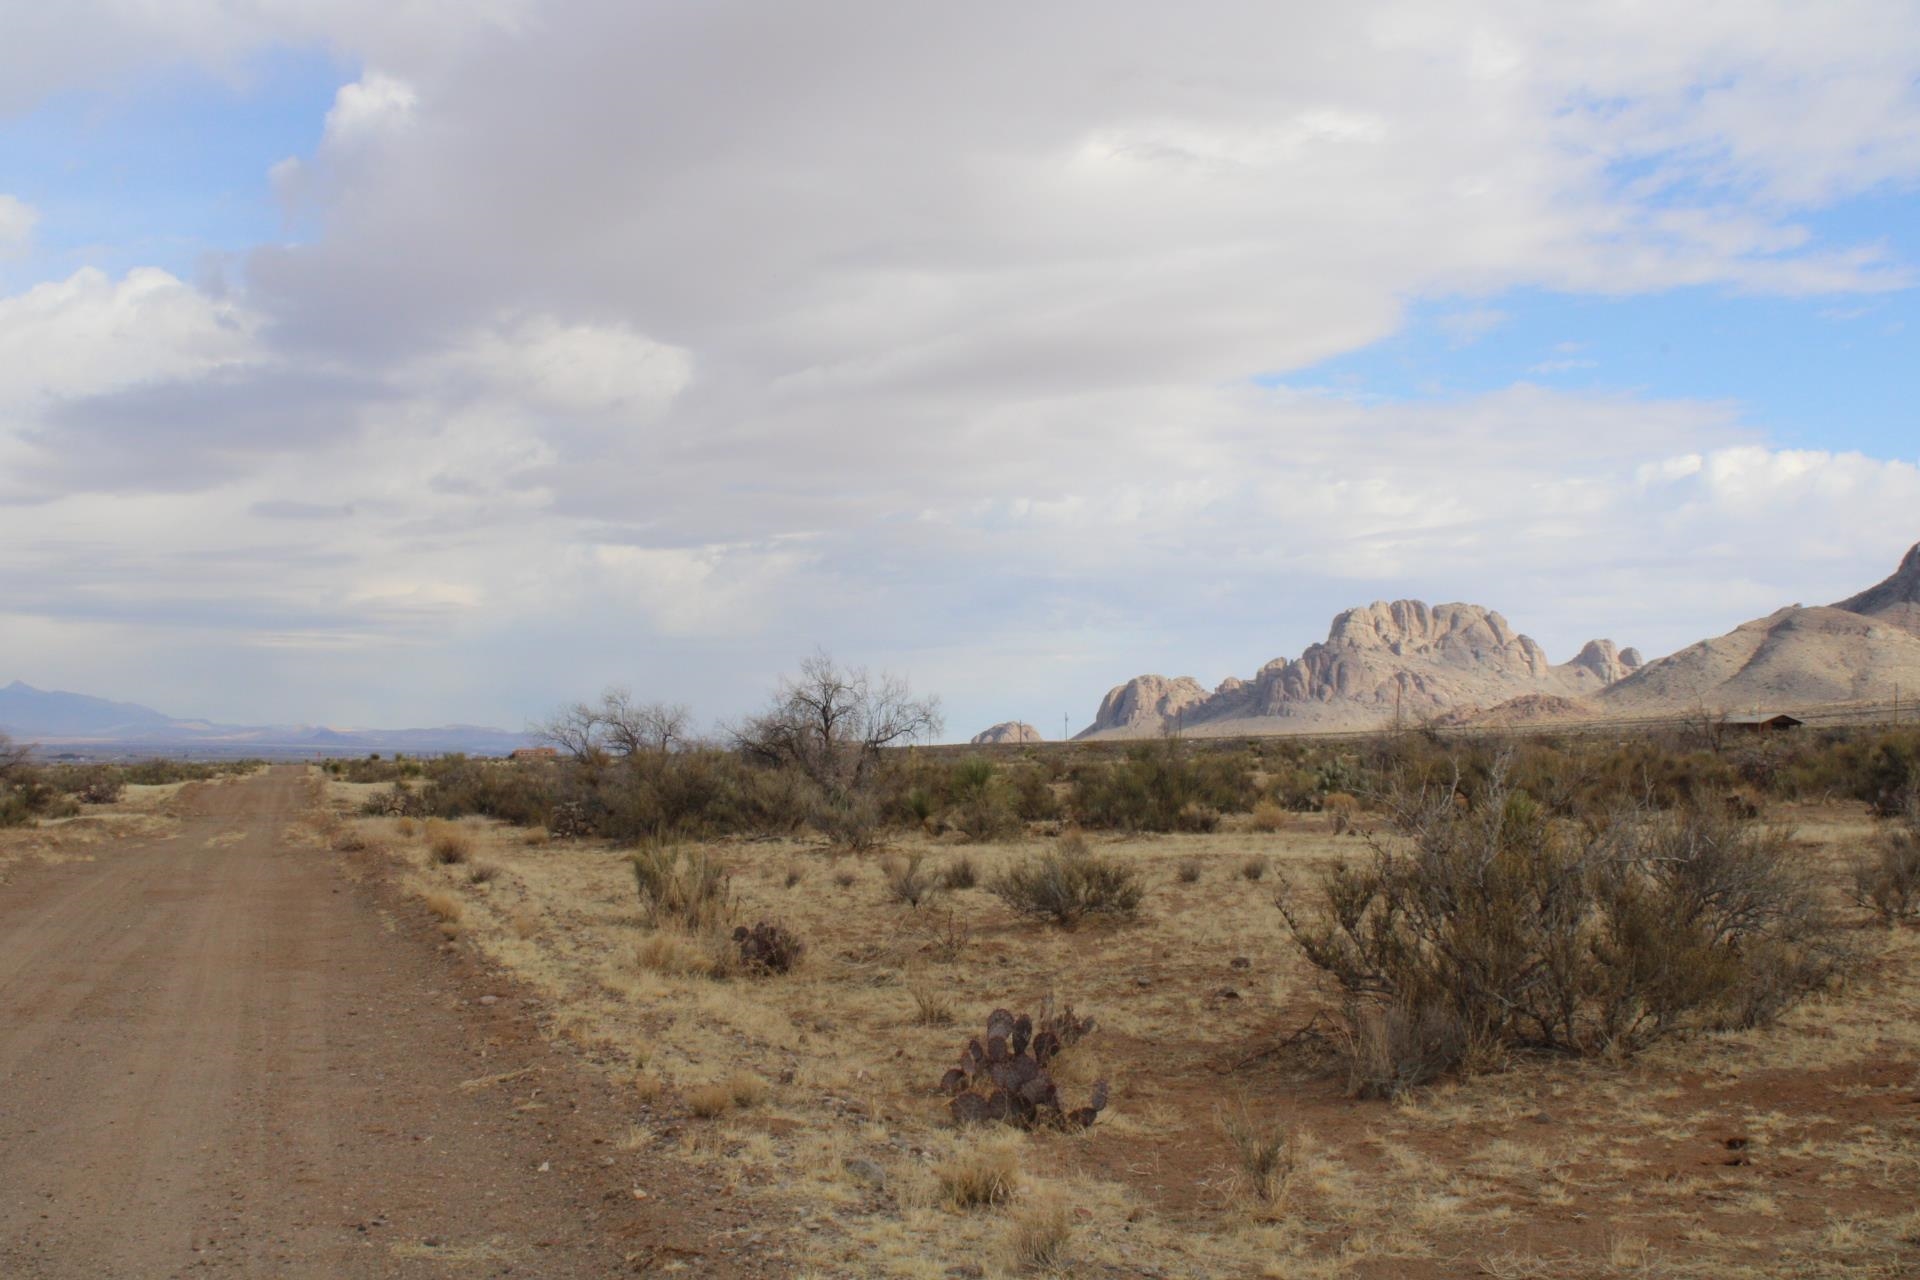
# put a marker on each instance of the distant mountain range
(1462, 664)
(87, 725)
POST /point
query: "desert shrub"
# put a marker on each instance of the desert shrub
(1269, 817)
(1008, 1080)
(521, 793)
(443, 906)
(1068, 883)
(1886, 878)
(1497, 927)
(932, 1005)
(845, 877)
(482, 873)
(100, 785)
(1032, 794)
(1253, 868)
(1341, 810)
(1164, 786)
(1188, 871)
(397, 801)
(448, 844)
(910, 879)
(680, 886)
(960, 874)
(711, 1100)
(851, 822)
(767, 948)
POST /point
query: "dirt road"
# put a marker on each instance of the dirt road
(221, 1054)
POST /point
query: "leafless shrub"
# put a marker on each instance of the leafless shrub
(932, 1006)
(482, 873)
(1886, 878)
(1254, 868)
(909, 879)
(1069, 883)
(1495, 927)
(1188, 872)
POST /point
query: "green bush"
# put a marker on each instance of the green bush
(1165, 786)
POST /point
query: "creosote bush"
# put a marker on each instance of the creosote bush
(680, 886)
(1070, 882)
(1493, 928)
(1886, 878)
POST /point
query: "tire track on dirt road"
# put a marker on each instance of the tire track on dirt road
(218, 1054)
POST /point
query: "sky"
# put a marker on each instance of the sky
(428, 361)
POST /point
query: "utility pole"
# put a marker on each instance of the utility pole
(1064, 735)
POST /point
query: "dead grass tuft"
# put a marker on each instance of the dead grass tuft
(448, 844)
(981, 1174)
(1038, 1235)
(482, 873)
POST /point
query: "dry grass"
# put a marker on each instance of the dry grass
(1038, 1235)
(448, 843)
(982, 1174)
(1508, 1174)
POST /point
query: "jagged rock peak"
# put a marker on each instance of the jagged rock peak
(1903, 588)
(1007, 731)
(1146, 699)
(1605, 662)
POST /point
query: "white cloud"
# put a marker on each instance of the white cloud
(90, 334)
(17, 220)
(626, 345)
(374, 105)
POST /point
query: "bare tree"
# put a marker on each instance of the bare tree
(616, 726)
(832, 723)
(633, 727)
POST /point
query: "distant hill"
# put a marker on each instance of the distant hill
(1858, 649)
(1005, 732)
(82, 722)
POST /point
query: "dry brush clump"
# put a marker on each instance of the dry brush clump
(687, 888)
(1886, 878)
(1007, 1079)
(910, 880)
(1494, 928)
(980, 1175)
(449, 844)
(1070, 882)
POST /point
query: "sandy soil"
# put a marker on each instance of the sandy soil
(223, 1051)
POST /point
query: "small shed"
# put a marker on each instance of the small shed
(1763, 723)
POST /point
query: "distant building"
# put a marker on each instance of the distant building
(1763, 724)
(534, 753)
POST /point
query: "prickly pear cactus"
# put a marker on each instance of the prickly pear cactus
(1005, 1080)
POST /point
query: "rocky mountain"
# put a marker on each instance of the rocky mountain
(1860, 649)
(80, 723)
(1005, 732)
(1393, 658)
